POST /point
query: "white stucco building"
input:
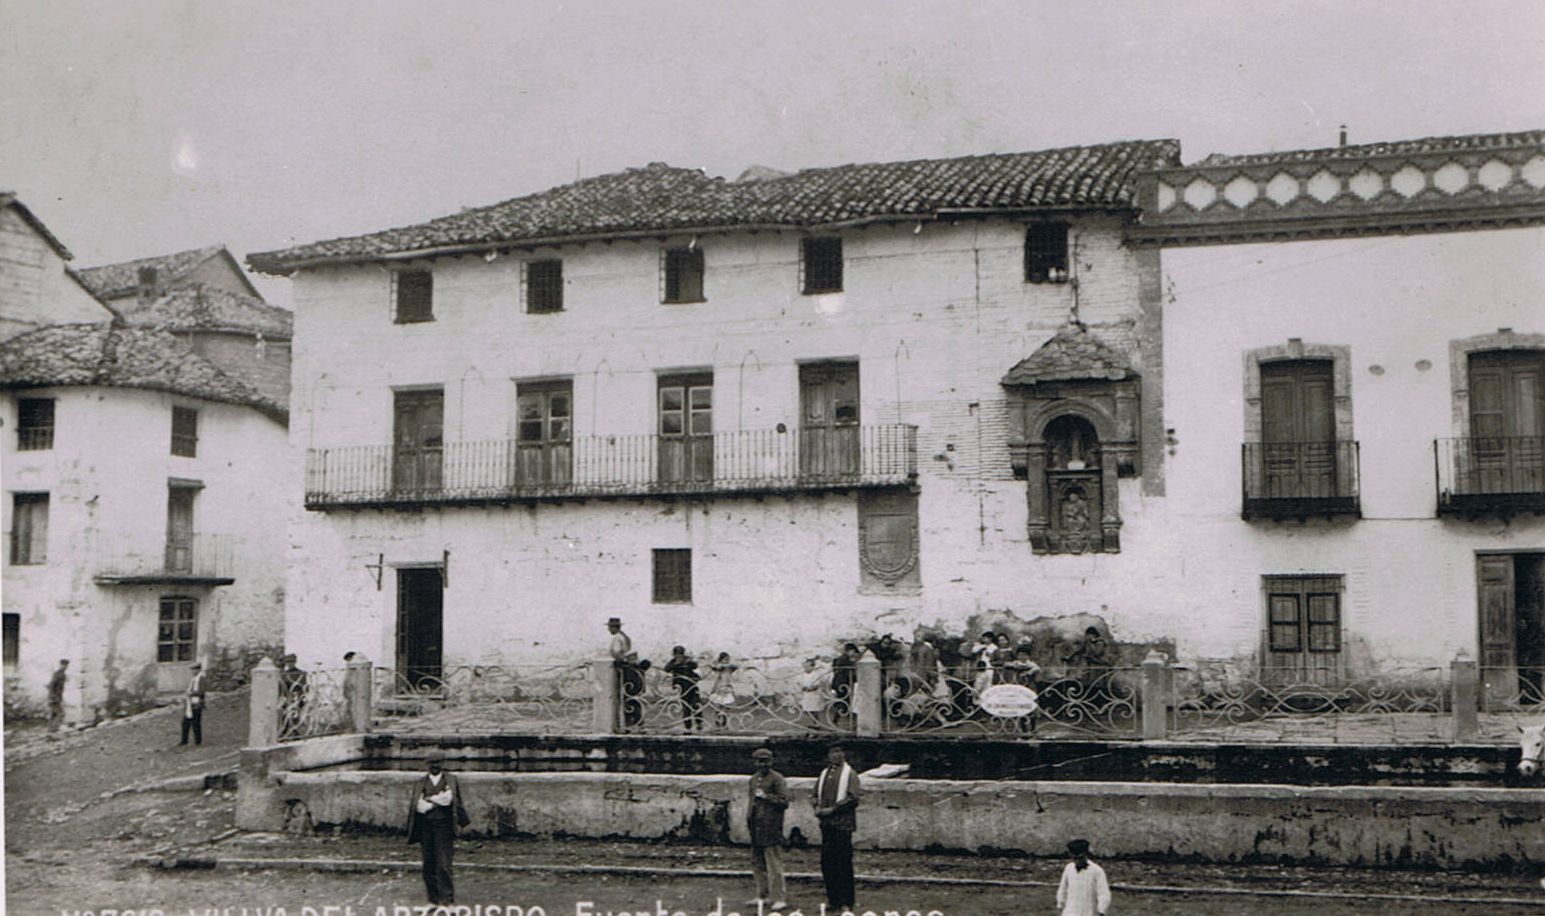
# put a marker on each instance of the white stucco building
(143, 498)
(763, 416)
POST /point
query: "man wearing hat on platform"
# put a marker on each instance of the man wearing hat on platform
(764, 819)
(433, 816)
(193, 706)
(836, 805)
(1084, 890)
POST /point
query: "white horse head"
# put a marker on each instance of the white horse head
(1531, 744)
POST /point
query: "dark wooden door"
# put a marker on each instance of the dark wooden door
(829, 431)
(419, 443)
(1303, 638)
(544, 435)
(1507, 423)
(420, 626)
(685, 429)
(179, 529)
(1298, 430)
(1499, 661)
(1529, 625)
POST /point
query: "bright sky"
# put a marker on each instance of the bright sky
(139, 128)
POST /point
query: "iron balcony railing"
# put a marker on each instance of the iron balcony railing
(150, 558)
(1490, 474)
(1300, 478)
(505, 469)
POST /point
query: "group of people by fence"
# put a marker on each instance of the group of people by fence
(937, 677)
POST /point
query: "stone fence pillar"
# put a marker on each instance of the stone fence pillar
(605, 682)
(1464, 687)
(1157, 695)
(358, 690)
(869, 696)
(263, 724)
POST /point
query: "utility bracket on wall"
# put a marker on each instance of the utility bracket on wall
(376, 568)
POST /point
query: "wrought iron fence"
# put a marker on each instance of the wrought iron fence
(1490, 472)
(313, 703)
(1217, 699)
(516, 699)
(737, 698)
(745, 460)
(1513, 688)
(1094, 702)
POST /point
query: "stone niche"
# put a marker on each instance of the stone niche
(1073, 431)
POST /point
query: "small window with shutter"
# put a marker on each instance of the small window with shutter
(412, 296)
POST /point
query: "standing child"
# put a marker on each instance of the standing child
(721, 696)
(811, 683)
(1084, 890)
(684, 677)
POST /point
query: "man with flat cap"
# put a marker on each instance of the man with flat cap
(764, 819)
(193, 706)
(433, 816)
(836, 804)
(1084, 890)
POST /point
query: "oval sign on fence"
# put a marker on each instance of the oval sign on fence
(1008, 701)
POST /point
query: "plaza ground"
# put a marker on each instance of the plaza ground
(82, 818)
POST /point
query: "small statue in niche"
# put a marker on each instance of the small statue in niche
(1073, 515)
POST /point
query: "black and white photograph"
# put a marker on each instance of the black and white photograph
(603, 458)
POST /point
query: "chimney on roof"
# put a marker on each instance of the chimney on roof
(149, 284)
(1343, 135)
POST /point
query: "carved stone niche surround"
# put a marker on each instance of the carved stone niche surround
(1103, 391)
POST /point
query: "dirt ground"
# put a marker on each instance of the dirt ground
(78, 820)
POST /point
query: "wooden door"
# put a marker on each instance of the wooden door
(1298, 430)
(1529, 625)
(544, 434)
(1507, 423)
(179, 529)
(420, 627)
(685, 429)
(418, 453)
(829, 431)
(1499, 662)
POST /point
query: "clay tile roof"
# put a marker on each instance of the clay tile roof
(1426, 145)
(112, 280)
(660, 198)
(119, 357)
(1072, 354)
(197, 307)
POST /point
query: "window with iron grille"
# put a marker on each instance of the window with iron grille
(12, 642)
(185, 432)
(1303, 613)
(29, 529)
(672, 576)
(683, 269)
(821, 263)
(177, 630)
(413, 296)
(1046, 253)
(544, 286)
(34, 424)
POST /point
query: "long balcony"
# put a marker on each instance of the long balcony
(154, 559)
(1300, 479)
(503, 470)
(1490, 475)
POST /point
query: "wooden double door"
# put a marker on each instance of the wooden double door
(1506, 452)
(1511, 603)
(829, 445)
(1297, 453)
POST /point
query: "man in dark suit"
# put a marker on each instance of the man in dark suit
(836, 805)
(193, 706)
(433, 816)
(764, 820)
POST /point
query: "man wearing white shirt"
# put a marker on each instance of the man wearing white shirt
(433, 816)
(1084, 890)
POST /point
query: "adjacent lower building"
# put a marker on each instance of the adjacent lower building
(143, 499)
(767, 415)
